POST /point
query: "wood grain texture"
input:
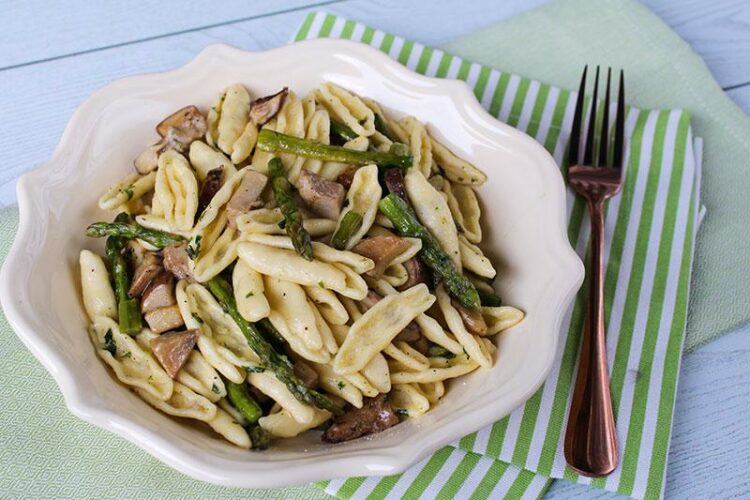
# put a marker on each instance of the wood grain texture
(85, 45)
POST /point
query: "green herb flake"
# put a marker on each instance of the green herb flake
(401, 412)
(129, 192)
(215, 389)
(128, 355)
(194, 248)
(197, 318)
(341, 385)
(249, 294)
(109, 343)
(255, 369)
(321, 284)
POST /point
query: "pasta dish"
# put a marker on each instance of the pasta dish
(281, 264)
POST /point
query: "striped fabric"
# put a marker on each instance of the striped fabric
(650, 235)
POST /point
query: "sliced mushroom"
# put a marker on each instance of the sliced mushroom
(164, 319)
(134, 253)
(147, 270)
(394, 181)
(177, 131)
(473, 320)
(177, 261)
(306, 374)
(382, 250)
(172, 349)
(322, 196)
(346, 177)
(418, 273)
(370, 300)
(376, 415)
(159, 293)
(265, 108)
(210, 186)
(247, 196)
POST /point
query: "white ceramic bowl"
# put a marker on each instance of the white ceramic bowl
(525, 235)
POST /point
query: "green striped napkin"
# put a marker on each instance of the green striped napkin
(650, 235)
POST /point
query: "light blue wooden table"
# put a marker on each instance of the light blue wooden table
(54, 54)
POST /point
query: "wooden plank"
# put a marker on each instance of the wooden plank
(38, 99)
(37, 29)
(719, 31)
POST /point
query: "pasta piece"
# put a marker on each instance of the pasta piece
(233, 117)
(337, 384)
(433, 374)
(177, 190)
(430, 327)
(347, 108)
(407, 355)
(456, 326)
(377, 373)
(260, 158)
(362, 198)
(318, 130)
(159, 223)
(226, 426)
(501, 318)
(409, 399)
(249, 293)
(432, 211)
(361, 383)
(382, 220)
(219, 200)
(456, 169)
(309, 107)
(433, 391)
(326, 335)
(351, 308)
(332, 169)
(232, 411)
(131, 364)
(130, 189)
(245, 143)
(329, 306)
(98, 296)
(288, 265)
(382, 142)
(296, 342)
(204, 158)
(396, 275)
(358, 263)
(195, 374)
(282, 424)
(217, 257)
(290, 120)
(182, 403)
(266, 221)
(474, 260)
(376, 328)
(464, 206)
(268, 384)
(289, 300)
(356, 286)
(419, 144)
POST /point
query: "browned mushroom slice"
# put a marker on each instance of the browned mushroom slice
(322, 196)
(417, 272)
(159, 293)
(177, 131)
(265, 108)
(306, 374)
(382, 250)
(473, 320)
(177, 261)
(211, 184)
(376, 415)
(147, 270)
(247, 195)
(164, 319)
(346, 177)
(184, 125)
(172, 349)
(370, 300)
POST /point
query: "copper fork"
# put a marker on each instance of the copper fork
(591, 438)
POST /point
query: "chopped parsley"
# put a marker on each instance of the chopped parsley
(401, 412)
(128, 355)
(197, 318)
(215, 389)
(194, 248)
(109, 343)
(249, 294)
(341, 385)
(321, 284)
(129, 191)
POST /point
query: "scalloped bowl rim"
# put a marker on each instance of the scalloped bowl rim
(349, 461)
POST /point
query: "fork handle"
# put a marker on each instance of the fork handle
(591, 438)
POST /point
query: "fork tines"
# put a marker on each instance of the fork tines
(603, 146)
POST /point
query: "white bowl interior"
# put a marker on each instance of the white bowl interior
(524, 226)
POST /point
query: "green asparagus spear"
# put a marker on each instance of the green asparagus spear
(350, 224)
(131, 231)
(275, 142)
(260, 438)
(128, 312)
(489, 299)
(245, 404)
(400, 149)
(399, 213)
(277, 363)
(342, 132)
(282, 191)
(272, 334)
